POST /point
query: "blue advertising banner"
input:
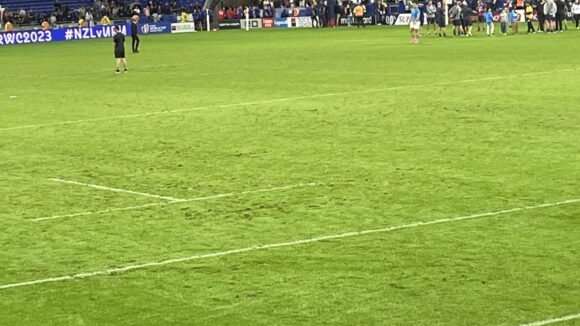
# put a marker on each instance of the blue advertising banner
(153, 28)
(57, 35)
(25, 37)
(281, 22)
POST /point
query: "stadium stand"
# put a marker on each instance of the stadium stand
(42, 6)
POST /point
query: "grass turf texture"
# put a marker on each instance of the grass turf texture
(381, 158)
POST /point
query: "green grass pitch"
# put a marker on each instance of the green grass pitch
(288, 135)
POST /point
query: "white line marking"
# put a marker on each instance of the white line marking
(99, 187)
(553, 321)
(287, 99)
(55, 217)
(279, 245)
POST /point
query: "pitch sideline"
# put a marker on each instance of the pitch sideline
(280, 245)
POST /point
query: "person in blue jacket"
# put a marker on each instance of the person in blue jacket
(489, 26)
(513, 18)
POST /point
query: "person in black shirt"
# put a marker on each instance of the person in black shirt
(560, 15)
(134, 34)
(440, 20)
(119, 40)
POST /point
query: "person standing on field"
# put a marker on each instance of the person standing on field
(530, 17)
(430, 12)
(415, 23)
(503, 18)
(455, 15)
(119, 40)
(550, 11)
(359, 13)
(513, 18)
(576, 12)
(134, 34)
(440, 19)
(541, 16)
(466, 14)
(560, 15)
(489, 26)
(481, 11)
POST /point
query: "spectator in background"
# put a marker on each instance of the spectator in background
(314, 17)
(2, 11)
(268, 12)
(383, 12)
(359, 12)
(430, 11)
(540, 15)
(576, 12)
(348, 14)
(466, 14)
(504, 19)
(197, 14)
(489, 25)
(481, 11)
(529, 11)
(337, 13)
(221, 13)
(89, 18)
(550, 11)
(322, 13)
(560, 15)
(8, 26)
(440, 19)
(513, 18)
(455, 16)
(231, 13)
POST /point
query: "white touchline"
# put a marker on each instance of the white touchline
(553, 321)
(247, 192)
(287, 99)
(280, 245)
(94, 186)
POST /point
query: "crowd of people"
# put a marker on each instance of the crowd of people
(154, 10)
(550, 14)
(461, 14)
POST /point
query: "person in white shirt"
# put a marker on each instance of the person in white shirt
(431, 10)
(576, 12)
(550, 11)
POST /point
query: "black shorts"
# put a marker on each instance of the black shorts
(119, 54)
(550, 18)
(430, 20)
(441, 24)
(467, 22)
(457, 22)
(480, 19)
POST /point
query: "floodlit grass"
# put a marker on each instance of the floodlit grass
(485, 124)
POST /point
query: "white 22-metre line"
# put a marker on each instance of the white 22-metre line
(279, 245)
(553, 320)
